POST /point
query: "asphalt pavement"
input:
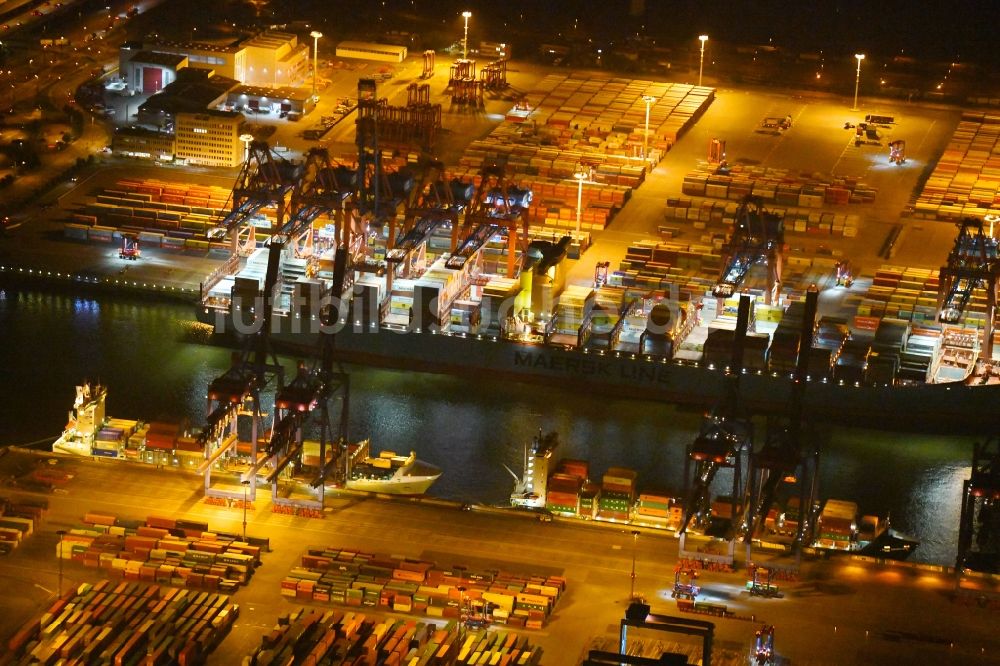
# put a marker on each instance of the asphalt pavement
(838, 612)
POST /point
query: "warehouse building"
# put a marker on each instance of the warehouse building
(194, 91)
(274, 59)
(150, 72)
(281, 102)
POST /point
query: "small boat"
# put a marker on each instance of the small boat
(388, 473)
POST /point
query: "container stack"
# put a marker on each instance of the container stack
(18, 521)
(784, 351)
(911, 294)
(600, 122)
(161, 550)
(652, 265)
(498, 299)
(852, 363)
(828, 343)
(562, 494)
(108, 441)
(328, 637)
(726, 508)
(162, 436)
(617, 494)
(653, 509)
(701, 213)
(778, 186)
(125, 623)
(160, 214)
(357, 579)
(837, 524)
(590, 497)
(966, 180)
(922, 346)
(887, 347)
(575, 305)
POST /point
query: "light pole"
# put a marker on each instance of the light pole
(315, 34)
(635, 541)
(648, 99)
(246, 484)
(60, 553)
(857, 80)
(581, 176)
(701, 61)
(465, 40)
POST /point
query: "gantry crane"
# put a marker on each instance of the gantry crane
(972, 264)
(266, 179)
(322, 188)
(726, 435)
(758, 236)
(431, 204)
(252, 370)
(785, 451)
(497, 205)
(979, 529)
(313, 389)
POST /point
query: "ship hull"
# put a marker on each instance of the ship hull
(408, 486)
(954, 408)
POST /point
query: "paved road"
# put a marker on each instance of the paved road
(838, 614)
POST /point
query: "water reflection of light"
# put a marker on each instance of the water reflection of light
(935, 509)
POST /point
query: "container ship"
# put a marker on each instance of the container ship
(907, 374)
(387, 472)
(90, 432)
(564, 488)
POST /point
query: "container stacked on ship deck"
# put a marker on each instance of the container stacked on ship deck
(837, 524)
(828, 342)
(575, 306)
(721, 335)
(563, 493)
(887, 347)
(654, 509)
(590, 496)
(498, 295)
(785, 343)
(617, 494)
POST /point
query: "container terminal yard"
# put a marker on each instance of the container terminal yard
(841, 611)
(750, 253)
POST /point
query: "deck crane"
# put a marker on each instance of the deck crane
(972, 264)
(496, 205)
(725, 434)
(266, 179)
(758, 236)
(784, 450)
(252, 370)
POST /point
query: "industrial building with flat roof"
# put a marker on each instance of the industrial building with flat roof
(194, 91)
(258, 99)
(209, 138)
(274, 59)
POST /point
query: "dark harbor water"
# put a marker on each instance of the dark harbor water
(142, 351)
